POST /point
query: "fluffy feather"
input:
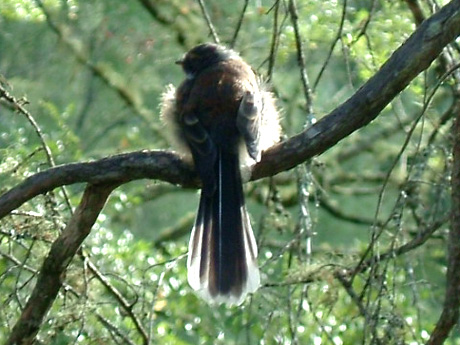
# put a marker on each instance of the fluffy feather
(221, 118)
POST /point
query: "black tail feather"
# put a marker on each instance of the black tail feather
(222, 253)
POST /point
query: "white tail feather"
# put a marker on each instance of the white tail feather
(201, 284)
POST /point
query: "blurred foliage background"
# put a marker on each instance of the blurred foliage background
(91, 73)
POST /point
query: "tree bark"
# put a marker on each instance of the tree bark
(102, 176)
(52, 273)
(414, 56)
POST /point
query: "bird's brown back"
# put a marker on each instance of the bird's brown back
(214, 97)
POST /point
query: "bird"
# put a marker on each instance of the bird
(221, 118)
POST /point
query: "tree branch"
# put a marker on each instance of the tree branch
(206, 16)
(117, 169)
(54, 267)
(414, 56)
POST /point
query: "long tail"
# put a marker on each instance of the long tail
(222, 259)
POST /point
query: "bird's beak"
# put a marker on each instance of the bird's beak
(179, 62)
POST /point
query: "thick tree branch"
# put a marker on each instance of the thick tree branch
(54, 267)
(117, 169)
(414, 56)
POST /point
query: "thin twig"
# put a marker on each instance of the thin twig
(376, 234)
(301, 57)
(331, 49)
(239, 24)
(206, 16)
(274, 41)
(114, 329)
(18, 105)
(450, 312)
(365, 25)
(127, 307)
(50, 280)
